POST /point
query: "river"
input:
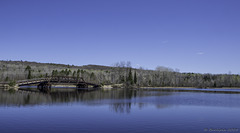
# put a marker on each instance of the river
(119, 110)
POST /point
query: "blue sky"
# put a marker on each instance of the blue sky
(200, 36)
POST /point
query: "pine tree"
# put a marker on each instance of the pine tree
(135, 78)
(53, 72)
(92, 76)
(29, 74)
(74, 72)
(7, 78)
(78, 73)
(29, 69)
(130, 78)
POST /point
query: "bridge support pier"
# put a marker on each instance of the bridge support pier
(44, 87)
(82, 85)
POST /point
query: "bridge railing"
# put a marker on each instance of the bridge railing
(59, 79)
(30, 80)
(65, 78)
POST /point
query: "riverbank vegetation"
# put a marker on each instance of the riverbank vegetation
(119, 73)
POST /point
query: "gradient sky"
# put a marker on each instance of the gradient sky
(200, 36)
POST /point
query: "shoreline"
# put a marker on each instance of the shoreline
(188, 88)
(192, 89)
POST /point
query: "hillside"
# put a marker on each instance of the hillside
(16, 70)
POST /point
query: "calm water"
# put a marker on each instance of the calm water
(119, 110)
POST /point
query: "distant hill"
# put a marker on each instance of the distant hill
(16, 70)
(120, 74)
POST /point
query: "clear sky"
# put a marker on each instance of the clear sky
(192, 35)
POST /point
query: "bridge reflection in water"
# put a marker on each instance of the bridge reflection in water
(119, 100)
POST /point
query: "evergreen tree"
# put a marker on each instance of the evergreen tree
(69, 72)
(29, 74)
(92, 76)
(62, 73)
(130, 77)
(149, 82)
(53, 72)
(78, 73)
(135, 78)
(66, 72)
(121, 79)
(7, 78)
(29, 69)
(82, 73)
(56, 72)
(74, 73)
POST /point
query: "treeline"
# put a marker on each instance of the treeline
(119, 73)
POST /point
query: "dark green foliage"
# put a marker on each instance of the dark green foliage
(150, 82)
(74, 73)
(215, 84)
(6, 79)
(121, 79)
(130, 77)
(54, 72)
(92, 77)
(29, 74)
(78, 73)
(69, 72)
(121, 74)
(83, 71)
(29, 69)
(12, 83)
(135, 78)
(66, 72)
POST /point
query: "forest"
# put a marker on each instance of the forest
(119, 73)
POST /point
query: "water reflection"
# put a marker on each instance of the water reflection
(121, 107)
(120, 110)
(119, 100)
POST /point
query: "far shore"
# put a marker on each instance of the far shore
(112, 86)
(188, 88)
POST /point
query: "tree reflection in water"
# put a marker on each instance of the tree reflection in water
(119, 100)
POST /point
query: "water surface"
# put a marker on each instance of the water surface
(119, 110)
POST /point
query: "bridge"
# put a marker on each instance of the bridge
(45, 84)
